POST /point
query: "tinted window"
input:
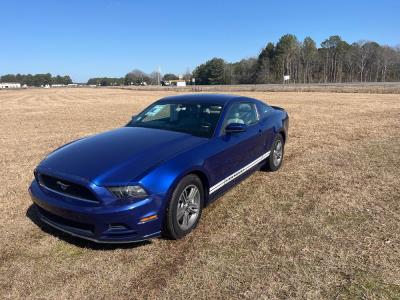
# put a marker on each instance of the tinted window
(264, 109)
(242, 113)
(193, 118)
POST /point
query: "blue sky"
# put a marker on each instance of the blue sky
(111, 37)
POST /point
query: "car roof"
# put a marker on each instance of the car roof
(219, 99)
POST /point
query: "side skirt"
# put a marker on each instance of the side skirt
(238, 173)
(220, 192)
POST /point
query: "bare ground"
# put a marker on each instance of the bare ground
(327, 225)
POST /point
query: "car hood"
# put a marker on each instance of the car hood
(118, 156)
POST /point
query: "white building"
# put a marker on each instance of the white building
(10, 85)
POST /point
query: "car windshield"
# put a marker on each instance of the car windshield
(199, 119)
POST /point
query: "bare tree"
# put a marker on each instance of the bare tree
(308, 58)
(287, 50)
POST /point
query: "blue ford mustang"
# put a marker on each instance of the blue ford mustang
(155, 175)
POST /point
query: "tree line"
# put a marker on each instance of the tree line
(334, 62)
(36, 79)
(136, 77)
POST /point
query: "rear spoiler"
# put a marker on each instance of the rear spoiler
(278, 108)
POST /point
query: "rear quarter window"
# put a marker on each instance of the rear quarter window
(264, 109)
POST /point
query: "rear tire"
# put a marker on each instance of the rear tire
(275, 158)
(185, 208)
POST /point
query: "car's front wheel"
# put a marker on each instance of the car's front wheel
(185, 208)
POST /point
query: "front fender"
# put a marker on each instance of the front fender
(163, 179)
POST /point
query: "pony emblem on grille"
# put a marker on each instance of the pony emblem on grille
(62, 185)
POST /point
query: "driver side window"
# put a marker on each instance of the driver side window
(242, 113)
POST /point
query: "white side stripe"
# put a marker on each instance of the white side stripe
(238, 173)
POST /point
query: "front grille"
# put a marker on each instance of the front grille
(67, 188)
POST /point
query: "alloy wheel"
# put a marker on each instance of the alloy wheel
(188, 207)
(277, 153)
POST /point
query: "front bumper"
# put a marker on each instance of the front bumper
(104, 223)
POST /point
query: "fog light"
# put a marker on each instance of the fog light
(147, 219)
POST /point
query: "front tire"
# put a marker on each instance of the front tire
(275, 158)
(185, 208)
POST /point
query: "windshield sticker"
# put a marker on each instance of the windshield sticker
(155, 110)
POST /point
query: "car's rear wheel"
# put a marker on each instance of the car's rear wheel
(185, 208)
(275, 158)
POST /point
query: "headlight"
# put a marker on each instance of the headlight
(130, 191)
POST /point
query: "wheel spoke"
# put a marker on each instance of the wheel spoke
(192, 194)
(186, 217)
(185, 195)
(180, 213)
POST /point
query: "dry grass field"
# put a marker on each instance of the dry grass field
(326, 226)
(356, 87)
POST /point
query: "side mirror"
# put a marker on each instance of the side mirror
(235, 127)
(131, 121)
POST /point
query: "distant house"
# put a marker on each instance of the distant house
(10, 85)
(174, 82)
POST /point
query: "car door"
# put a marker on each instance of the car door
(235, 151)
